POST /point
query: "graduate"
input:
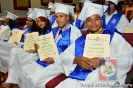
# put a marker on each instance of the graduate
(113, 19)
(64, 35)
(11, 23)
(52, 17)
(83, 71)
(6, 47)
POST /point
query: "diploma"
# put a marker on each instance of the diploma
(30, 40)
(47, 46)
(97, 45)
(16, 36)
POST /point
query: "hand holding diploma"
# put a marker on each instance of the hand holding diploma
(47, 47)
(30, 41)
(16, 36)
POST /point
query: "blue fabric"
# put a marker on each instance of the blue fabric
(62, 44)
(27, 31)
(111, 25)
(4, 40)
(108, 6)
(78, 23)
(79, 73)
(52, 20)
(71, 20)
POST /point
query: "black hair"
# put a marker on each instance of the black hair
(34, 27)
(11, 23)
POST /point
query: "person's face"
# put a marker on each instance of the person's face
(94, 23)
(29, 22)
(112, 7)
(40, 23)
(77, 8)
(2, 21)
(7, 21)
(62, 19)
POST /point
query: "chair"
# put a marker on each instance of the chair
(55, 81)
(129, 39)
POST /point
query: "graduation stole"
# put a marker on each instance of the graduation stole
(112, 22)
(79, 73)
(25, 32)
(52, 20)
(79, 25)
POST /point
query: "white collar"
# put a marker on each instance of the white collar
(64, 28)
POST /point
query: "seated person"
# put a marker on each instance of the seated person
(77, 67)
(113, 19)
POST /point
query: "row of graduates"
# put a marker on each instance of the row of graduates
(27, 71)
(111, 17)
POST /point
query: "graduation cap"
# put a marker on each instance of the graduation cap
(31, 15)
(30, 10)
(114, 1)
(11, 16)
(67, 9)
(2, 17)
(90, 9)
(39, 13)
(50, 5)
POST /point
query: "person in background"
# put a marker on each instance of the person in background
(50, 5)
(114, 20)
(52, 17)
(10, 22)
(80, 24)
(129, 7)
(78, 9)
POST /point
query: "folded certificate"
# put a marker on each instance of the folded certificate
(30, 40)
(47, 46)
(129, 30)
(97, 45)
(16, 35)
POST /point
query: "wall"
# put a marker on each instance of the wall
(7, 5)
